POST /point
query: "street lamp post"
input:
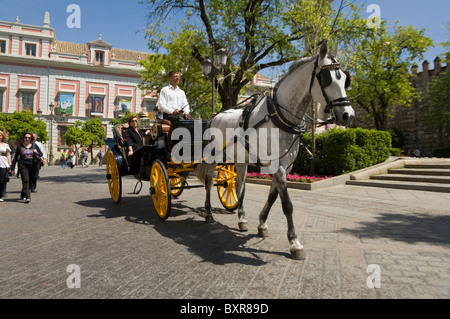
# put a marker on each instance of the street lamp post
(50, 156)
(210, 70)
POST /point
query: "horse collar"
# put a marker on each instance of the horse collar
(281, 121)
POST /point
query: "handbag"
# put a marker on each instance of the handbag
(37, 160)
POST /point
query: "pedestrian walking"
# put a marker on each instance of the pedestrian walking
(100, 157)
(63, 159)
(25, 157)
(73, 160)
(84, 158)
(5, 163)
(37, 167)
(69, 158)
(8, 172)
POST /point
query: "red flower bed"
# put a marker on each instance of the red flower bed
(295, 177)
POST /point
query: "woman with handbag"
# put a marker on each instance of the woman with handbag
(25, 156)
(5, 162)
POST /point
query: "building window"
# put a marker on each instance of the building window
(62, 129)
(27, 101)
(99, 57)
(2, 46)
(97, 104)
(30, 49)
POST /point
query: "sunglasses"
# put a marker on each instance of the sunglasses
(27, 137)
(324, 76)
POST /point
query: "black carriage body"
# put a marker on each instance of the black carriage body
(156, 147)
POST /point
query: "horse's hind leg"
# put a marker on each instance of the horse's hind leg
(208, 184)
(241, 170)
(296, 249)
(263, 230)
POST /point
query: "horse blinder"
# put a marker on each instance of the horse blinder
(347, 79)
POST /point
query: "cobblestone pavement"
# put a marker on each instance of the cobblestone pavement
(125, 251)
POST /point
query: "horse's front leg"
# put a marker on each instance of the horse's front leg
(296, 249)
(241, 170)
(263, 230)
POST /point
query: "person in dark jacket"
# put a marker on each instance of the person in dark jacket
(24, 156)
(132, 136)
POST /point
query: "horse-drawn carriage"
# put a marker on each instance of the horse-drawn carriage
(152, 162)
(276, 121)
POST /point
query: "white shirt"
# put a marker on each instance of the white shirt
(41, 147)
(3, 159)
(171, 99)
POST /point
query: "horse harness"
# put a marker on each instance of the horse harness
(324, 79)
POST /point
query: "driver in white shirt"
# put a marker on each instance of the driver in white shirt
(172, 99)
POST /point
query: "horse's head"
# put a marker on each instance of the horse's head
(328, 84)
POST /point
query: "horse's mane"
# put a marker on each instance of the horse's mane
(300, 62)
(297, 64)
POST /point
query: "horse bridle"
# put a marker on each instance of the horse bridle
(324, 80)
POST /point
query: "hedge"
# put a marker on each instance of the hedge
(441, 152)
(340, 151)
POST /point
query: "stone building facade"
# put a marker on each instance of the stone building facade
(411, 121)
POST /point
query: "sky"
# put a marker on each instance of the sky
(122, 23)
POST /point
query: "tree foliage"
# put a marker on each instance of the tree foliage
(77, 137)
(85, 134)
(18, 123)
(380, 59)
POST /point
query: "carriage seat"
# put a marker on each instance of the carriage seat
(165, 125)
(118, 131)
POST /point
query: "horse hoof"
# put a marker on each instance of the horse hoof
(209, 219)
(263, 232)
(243, 226)
(298, 254)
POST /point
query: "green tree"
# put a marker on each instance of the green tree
(96, 131)
(77, 137)
(18, 123)
(380, 61)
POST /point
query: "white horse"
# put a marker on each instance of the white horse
(319, 78)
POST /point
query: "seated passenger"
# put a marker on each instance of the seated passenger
(132, 136)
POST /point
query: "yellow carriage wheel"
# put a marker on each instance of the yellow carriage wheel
(113, 177)
(176, 181)
(160, 189)
(226, 186)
